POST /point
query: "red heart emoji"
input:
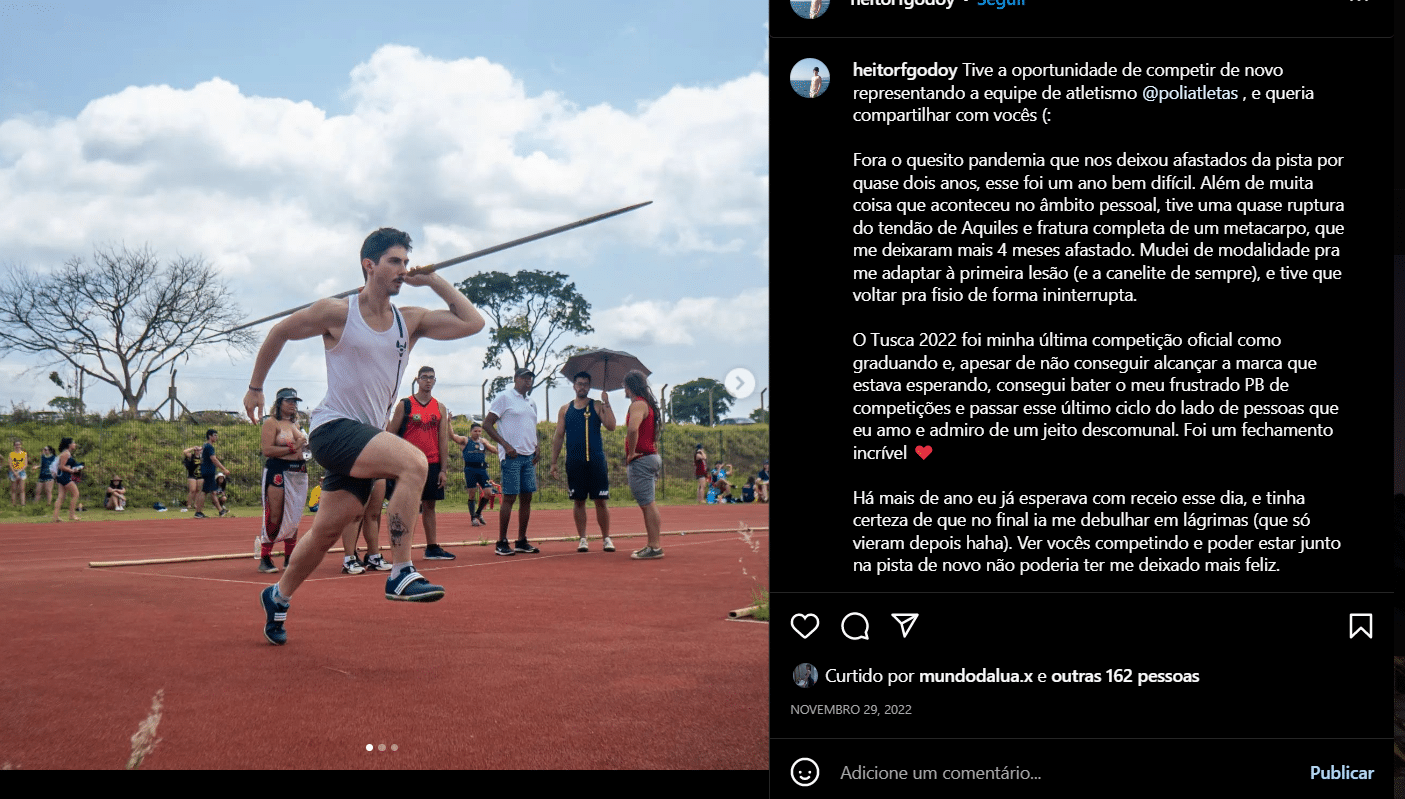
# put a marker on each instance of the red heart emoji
(923, 452)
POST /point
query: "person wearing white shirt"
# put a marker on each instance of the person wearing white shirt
(517, 451)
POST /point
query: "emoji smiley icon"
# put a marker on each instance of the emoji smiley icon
(805, 772)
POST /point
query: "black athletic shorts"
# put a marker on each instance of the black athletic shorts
(431, 491)
(587, 479)
(475, 477)
(336, 445)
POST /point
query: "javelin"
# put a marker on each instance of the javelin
(421, 270)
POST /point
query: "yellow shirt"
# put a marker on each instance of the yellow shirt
(18, 461)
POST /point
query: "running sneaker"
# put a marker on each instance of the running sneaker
(411, 586)
(352, 566)
(266, 565)
(505, 548)
(582, 546)
(648, 553)
(200, 515)
(481, 523)
(609, 545)
(474, 521)
(224, 511)
(274, 616)
(524, 547)
(374, 563)
(436, 552)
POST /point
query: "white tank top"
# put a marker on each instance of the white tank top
(364, 370)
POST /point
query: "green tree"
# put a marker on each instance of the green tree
(688, 402)
(121, 318)
(528, 314)
(69, 404)
(761, 415)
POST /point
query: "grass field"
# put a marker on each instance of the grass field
(147, 454)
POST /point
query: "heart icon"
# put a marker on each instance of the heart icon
(801, 617)
(923, 452)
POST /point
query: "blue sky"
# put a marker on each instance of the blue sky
(189, 126)
(804, 69)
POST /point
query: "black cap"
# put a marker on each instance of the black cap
(524, 371)
(698, 446)
(287, 393)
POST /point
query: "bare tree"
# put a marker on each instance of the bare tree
(121, 318)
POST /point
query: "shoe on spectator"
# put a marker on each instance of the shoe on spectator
(436, 552)
(411, 586)
(523, 546)
(352, 566)
(648, 553)
(266, 566)
(504, 548)
(274, 616)
(375, 563)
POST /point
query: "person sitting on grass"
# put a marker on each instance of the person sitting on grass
(749, 490)
(116, 496)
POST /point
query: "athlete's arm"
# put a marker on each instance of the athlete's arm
(490, 426)
(397, 418)
(322, 318)
(558, 437)
(460, 320)
(607, 414)
(444, 421)
(631, 438)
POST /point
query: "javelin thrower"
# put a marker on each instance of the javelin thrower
(367, 342)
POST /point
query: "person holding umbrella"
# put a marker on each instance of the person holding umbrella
(578, 426)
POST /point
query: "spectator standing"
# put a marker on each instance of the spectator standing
(475, 470)
(210, 466)
(517, 451)
(423, 421)
(45, 483)
(19, 469)
(641, 458)
(578, 426)
(700, 470)
(284, 478)
(66, 469)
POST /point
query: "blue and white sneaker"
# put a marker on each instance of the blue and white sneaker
(275, 615)
(411, 586)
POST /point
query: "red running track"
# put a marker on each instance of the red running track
(548, 661)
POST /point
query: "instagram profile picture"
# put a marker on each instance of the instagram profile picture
(809, 77)
(809, 9)
(806, 675)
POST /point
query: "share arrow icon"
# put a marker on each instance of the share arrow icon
(905, 621)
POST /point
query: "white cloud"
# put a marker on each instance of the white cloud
(740, 320)
(278, 195)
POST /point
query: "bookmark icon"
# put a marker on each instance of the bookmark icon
(905, 621)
